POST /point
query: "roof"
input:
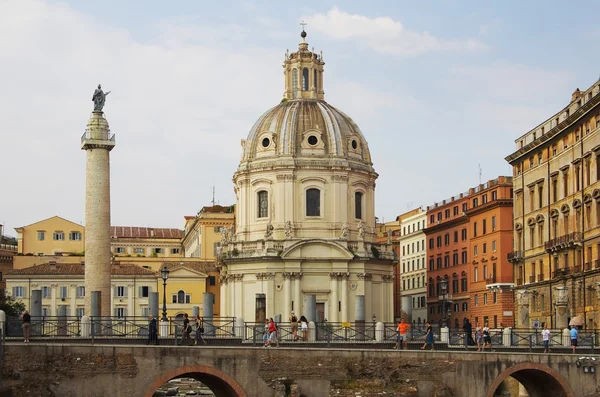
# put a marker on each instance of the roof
(144, 232)
(44, 220)
(76, 269)
(200, 266)
(217, 209)
(188, 217)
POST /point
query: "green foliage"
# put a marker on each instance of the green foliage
(154, 255)
(11, 307)
(284, 100)
(235, 252)
(375, 252)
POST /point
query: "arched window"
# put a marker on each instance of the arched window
(358, 205)
(316, 82)
(181, 296)
(305, 79)
(295, 82)
(313, 201)
(263, 204)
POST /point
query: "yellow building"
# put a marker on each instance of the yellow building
(50, 236)
(556, 177)
(202, 235)
(146, 241)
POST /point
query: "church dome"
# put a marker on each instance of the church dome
(307, 128)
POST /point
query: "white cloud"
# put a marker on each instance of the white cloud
(385, 35)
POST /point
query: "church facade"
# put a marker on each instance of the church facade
(305, 214)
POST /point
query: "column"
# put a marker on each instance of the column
(231, 303)
(73, 308)
(297, 293)
(223, 298)
(53, 293)
(112, 300)
(130, 294)
(287, 294)
(239, 294)
(345, 277)
(333, 298)
(270, 277)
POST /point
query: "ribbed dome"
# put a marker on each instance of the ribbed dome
(306, 127)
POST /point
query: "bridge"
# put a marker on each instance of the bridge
(37, 369)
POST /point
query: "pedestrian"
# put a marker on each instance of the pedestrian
(199, 331)
(294, 323)
(26, 325)
(574, 333)
(478, 336)
(186, 331)
(273, 333)
(304, 328)
(428, 337)
(546, 338)
(487, 337)
(468, 328)
(266, 333)
(402, 337)
(152, 331)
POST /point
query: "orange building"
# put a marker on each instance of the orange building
(490, 229)
(468, 239)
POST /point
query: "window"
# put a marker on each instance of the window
(484, 199)
(494, 246)
(554, 190)
(431, 264)
(212, 280)
(120, 250)
(465, 306)
(475, 275)
(455, 236)
(120, 292)
(295, 82)
(181, 297)
(463, 284)
(313, 202)
(493, 223)
(464, 207)
(431, 243)
(432, 219)
(447, 213)
(439, 241)
(495, 297)
(46, 292)
(485, 272)
(494, 195)
(475, 202)
(565, 184)
(463, 234)
(80, 312)
(58, 236)
(484, 226)
(75, 236)
(315, 80)
(439, 216)
(80, 292)
(358, 205)
(455, 286)
(446, 261)
(439, 262)
(485, 299)
(530, 162)
(41, 236)
(475, 229)
(144, 292)
(455, 210)
(455, 259)
(476, 300)
(216, 248)
(446, 239)
(64, 293)
(263, 204)
(18, 292)
(139, 251)
(175, 250)
(145, 311)
(121, 312)
(218, 229)
(464, 257)
(305, 79)
(157, 251)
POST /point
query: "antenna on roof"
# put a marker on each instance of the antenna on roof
(479, 166)
(213, 199)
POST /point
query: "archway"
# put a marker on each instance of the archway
(221, 384)
(537, 379)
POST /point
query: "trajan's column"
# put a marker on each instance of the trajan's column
(97, 141)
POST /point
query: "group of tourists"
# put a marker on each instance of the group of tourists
(186, 331)
(271, 332)
(402, 336)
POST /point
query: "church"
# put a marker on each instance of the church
(304, 235)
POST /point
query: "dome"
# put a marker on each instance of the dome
(306, 128)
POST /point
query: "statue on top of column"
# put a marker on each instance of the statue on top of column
(99, 98)
(361, 230)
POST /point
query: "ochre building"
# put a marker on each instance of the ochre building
(556, 175)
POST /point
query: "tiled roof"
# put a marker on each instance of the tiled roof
(188, 217)
(217, 209)
(200, 266)
(77, 269)
(144, 232)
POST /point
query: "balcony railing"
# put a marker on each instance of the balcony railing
(532, 279)
(540, 277)
(560, 272)
(515, 256)
(519, 281)
(563, 242)
(8, 247)
(587, 266)
(490, 280)
(577, 269)
(597, 264)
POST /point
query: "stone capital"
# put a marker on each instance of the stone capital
(364, 276)
(265, 276)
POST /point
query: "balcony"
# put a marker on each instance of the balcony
(515, 256)
(540, 277)
(587, 266)
(490, 280)
(532, 279)
(563, 242)
(560, 272)
(577, 269)
(8, 247)
(519, 281)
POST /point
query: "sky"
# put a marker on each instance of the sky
(438, 88)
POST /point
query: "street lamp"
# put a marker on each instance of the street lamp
(443, 288)
(164, 273)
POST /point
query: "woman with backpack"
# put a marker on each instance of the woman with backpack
(304, 328)
(199, 332)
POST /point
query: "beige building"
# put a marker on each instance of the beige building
(202, 234)
(305, 212)
(146, 242)
(51, 236)
(412, 267)
(556, 177)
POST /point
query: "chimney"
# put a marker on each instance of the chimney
(52, 265)
(1, 230)
(151, 232)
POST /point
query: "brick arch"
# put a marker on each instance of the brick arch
(221, 384)
(539, 380)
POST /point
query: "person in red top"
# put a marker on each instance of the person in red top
(402, 334)
(272, 334)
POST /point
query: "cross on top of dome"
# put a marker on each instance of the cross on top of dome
(303, 34)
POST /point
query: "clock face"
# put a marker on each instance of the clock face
(353, 285)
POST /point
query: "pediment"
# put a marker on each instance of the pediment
(317, 249)
(184, 272)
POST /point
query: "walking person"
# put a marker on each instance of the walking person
(546, 338)
(186, 331)
(266, 333)
(294, 322)
(574, 334)
(468, 328)
(273, 333)
(26, 325)
(478, 336)
(402, 337)
(487, 337)
(304, 328)
(428, 337)
(152, 331)
(199, 331)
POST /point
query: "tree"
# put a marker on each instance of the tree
(11, 307)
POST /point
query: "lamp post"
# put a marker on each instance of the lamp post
(443, 288)
(164, 273)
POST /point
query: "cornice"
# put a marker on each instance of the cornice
(445, 225)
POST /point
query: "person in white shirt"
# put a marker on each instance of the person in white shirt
(546, 338)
